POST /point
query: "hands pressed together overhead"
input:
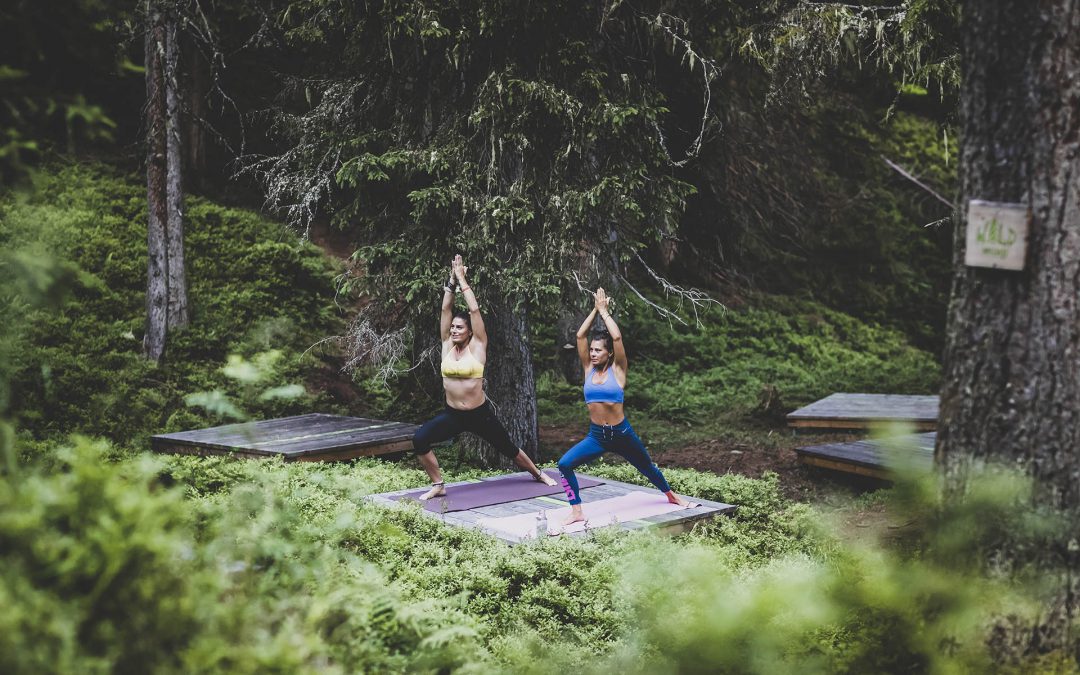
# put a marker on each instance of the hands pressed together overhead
(457, 275)
(601, 300)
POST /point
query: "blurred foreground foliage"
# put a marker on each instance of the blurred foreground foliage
(184, 564)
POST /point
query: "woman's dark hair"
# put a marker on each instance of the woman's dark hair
(609, 345)
(462, 314)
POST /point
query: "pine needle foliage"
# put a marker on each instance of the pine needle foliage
(440, 126)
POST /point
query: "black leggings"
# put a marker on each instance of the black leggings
(451, 422)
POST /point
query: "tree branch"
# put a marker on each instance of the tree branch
(899, 169)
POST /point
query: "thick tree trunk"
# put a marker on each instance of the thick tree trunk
(157, 291)
(511, 384)
(566, 355)
(178, 300)
(1012, 358)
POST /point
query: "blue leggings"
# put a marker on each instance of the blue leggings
(619, 439)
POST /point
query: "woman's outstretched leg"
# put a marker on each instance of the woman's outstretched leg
(522, 461)
(628, 445)
(440, 428)
(484, 422)
(582, 453)
(431, 466)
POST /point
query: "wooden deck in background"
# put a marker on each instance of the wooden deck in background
(863, 411)
(871, 457)
(668, 523)
(305, 438)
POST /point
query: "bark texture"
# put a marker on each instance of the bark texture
(174, 191)
(157, 291)
(1012, 357)
(511, 383)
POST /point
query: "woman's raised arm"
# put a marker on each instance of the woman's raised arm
(602, 302)
(583, 339)
(447, 314)
(477, 321)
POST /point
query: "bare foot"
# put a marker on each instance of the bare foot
(437, 490)
(685, 503)
(576, 516)
(545, 479)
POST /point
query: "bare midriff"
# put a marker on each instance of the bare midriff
(464, 394)
(602, 412)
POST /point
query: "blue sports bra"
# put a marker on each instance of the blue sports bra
(607, 391)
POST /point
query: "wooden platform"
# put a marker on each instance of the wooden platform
(871, 457)
(305, 438)
(863, 411)
(669, 523)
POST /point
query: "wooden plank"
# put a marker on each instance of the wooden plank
(869, 457)
(860, 411)
(229, 433)
(857, 424)
(355, 439)
(202, 451)
(353, 453)
(311, 437)
(844, 466)
(319, 436)
(255, 434)
(249, 439)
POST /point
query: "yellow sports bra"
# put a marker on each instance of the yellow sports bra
(466, 368)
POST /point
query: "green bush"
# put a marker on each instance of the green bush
(252, 288)
(104, 569)
(266, 566)
(96, 572)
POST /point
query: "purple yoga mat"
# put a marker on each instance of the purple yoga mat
(496, 491)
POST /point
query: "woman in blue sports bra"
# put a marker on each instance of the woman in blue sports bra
(464, 353)
(603, 358)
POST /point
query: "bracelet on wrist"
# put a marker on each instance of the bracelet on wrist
(448, 289)
(465, 288)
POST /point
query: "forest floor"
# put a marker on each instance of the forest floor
(848, 501)
(750, 454)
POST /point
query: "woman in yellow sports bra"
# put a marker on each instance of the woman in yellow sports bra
(464, 353)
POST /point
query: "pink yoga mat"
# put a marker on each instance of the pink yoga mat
(601, 513)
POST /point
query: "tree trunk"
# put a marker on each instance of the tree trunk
(511, 384)
(1012, 357)
(178, 300)
(157, 291)
(566, 355)
(195, 138)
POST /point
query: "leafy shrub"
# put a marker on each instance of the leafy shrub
(96, 572)
(284, 567)
(252, 289)
(105, 570)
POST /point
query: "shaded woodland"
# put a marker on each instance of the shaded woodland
(231, 210)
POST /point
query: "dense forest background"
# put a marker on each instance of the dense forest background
(767, 189)
(797, 187)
